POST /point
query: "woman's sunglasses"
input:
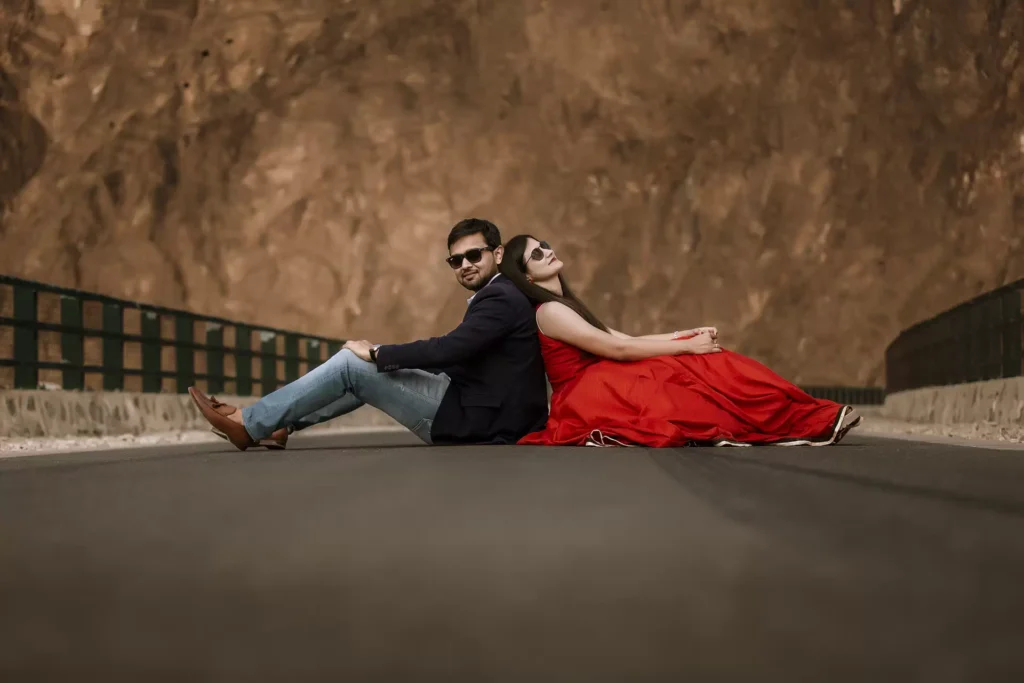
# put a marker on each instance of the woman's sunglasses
(537, 254)
(471, 255)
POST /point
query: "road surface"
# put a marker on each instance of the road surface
(368, 558)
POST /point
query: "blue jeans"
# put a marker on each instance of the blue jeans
(342, 384)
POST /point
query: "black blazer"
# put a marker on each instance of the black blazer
(498, 392)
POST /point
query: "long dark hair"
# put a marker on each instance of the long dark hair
(513, 266)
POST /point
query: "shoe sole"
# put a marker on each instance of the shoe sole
(269, 444)
(843, 431)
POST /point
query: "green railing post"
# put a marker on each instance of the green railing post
(995, 339)
(215, 358)
(113, 347)
(1012, 334)
(243, 360)
(72, 343)
(184, 356)
(268, 366)
(26, 338)
(312, 353)
(973, 322)
(291, 360)
(152, 353)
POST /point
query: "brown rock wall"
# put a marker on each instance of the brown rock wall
(809, 177)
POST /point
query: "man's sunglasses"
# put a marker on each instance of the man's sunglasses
(471, 255)
(537, 254)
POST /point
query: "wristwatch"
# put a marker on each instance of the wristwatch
(373, 353)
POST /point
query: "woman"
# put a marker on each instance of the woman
(659, 390)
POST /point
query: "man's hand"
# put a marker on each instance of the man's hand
(361, 348)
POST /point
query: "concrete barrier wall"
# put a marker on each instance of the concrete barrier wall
(73, 413)
(999, 401)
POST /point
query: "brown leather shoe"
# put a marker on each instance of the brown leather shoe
(235, 432)
(278, 441)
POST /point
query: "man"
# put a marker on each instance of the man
(486, 385)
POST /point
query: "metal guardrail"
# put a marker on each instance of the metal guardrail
(111, 365)
(977, 340)
(74, 333)
(854, 396)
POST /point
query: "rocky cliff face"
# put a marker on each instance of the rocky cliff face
(810, 177)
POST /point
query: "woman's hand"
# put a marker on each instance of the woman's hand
(703, 343)
(687, 334)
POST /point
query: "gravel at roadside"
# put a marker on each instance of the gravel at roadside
(980, 432)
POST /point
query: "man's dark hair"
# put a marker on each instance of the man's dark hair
(473, 226)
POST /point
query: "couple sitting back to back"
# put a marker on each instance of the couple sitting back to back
(484, 382)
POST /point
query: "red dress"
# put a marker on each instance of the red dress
(717, 399)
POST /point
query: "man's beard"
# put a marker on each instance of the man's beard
(479, 284)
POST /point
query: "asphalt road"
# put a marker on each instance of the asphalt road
(369, 559)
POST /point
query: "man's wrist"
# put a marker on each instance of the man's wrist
(373, 353)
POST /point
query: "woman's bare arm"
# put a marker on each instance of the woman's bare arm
(678, 334)
(560, 322)
(655, 337)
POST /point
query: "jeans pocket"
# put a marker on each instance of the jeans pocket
(422, 429)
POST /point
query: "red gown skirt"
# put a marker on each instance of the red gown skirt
(714, 399)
